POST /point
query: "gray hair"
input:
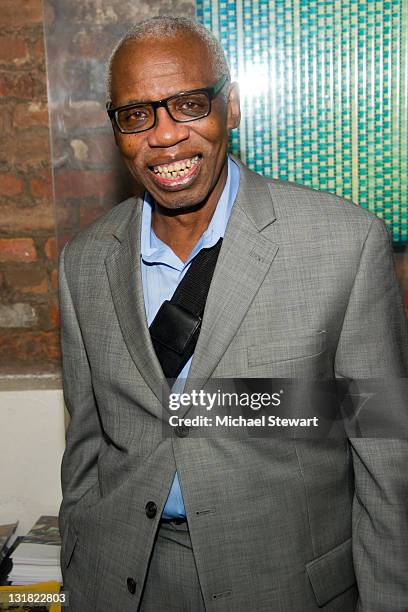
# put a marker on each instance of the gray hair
(169, 27)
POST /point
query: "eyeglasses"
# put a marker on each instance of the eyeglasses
(182, 107)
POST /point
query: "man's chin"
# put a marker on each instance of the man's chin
(177, 206)
(182, 200)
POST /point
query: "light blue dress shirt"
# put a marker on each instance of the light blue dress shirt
(162, 270)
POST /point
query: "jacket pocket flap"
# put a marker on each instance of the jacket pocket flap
(332, 573)
(68, 545)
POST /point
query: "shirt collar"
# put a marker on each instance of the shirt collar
(155, 251)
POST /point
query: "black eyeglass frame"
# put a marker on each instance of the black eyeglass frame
(211, 92)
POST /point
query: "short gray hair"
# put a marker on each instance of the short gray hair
(169, 27)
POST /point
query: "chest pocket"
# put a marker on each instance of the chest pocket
(290, 346)
(293, 354)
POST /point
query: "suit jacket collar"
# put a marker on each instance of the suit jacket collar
(243, 262)
(254, 197)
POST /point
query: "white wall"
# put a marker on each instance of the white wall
(32, 441)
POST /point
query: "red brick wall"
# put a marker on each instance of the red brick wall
(28, 283)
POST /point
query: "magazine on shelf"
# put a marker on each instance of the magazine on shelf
(37, 556)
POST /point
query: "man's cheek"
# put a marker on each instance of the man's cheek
(132, 164)
(128, 147)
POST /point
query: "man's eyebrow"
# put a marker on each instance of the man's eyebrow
(135, 102)
(180, 91)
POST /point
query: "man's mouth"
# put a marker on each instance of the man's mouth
(177, 173)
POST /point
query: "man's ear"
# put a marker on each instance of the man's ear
(233, 107)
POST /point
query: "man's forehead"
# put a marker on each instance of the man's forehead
(150, 69)
(160, 69)
(155, 47)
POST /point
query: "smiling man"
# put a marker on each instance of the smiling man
(180, 152)
(219, 272)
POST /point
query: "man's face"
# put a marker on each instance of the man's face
(152, 70)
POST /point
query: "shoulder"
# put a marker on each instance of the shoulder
(314, 201)
(96, 241)
(311, 213)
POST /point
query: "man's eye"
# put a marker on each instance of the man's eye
(193, 106)
(135, 115)
(189, 105)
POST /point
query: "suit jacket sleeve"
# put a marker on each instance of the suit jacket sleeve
(373, 344)
(84, 433)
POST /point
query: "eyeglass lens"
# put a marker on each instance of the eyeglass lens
(185, 107)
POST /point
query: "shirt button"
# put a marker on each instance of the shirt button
(181, 431)
(131, 585)
(151, 509)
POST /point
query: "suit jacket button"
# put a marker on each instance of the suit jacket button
(181, 431)
(131, 585)
(151, 509)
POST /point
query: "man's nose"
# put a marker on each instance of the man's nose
(167, 132)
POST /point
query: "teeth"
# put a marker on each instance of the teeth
(176, 169)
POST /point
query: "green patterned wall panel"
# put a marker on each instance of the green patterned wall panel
(324, 88)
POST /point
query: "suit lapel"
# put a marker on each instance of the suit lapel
(124, 274)
(245, 258)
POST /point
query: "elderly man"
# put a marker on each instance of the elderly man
(296, 283)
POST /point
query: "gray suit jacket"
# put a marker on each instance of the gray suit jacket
(304, 287)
